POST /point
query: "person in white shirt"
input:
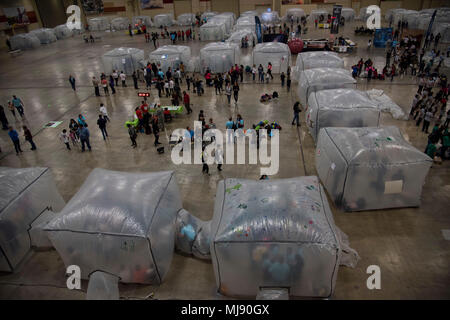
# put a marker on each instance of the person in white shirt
(104, 112)
(123, 77)
(254, 71)
(171, 86)
(64, 137)
(166, 87)
(115, 76)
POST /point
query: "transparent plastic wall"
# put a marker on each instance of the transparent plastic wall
(24, 41)
(444, 30)
(370, 168)
(270, 18)
(25, 194)
(277, 53)
(121, 223)
(62, 32)
(402, 16)
(215, 31)
(219, 56)
(208, 14)
(313, 80)
(276, 233)
(315, 14)
(140, 20)
(165, 20)
(45, 35)
(363, 14)
(413, 20)
(236, 37)
(316, 59)
(294, 13)
(340, 108)
(122, 59)
(247, 22)
(186, 19)
(227, 20)
(120, 23)
(99, 24)
(391, 12)
(170, 56)
(348, 14)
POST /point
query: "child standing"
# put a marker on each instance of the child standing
(64, 137)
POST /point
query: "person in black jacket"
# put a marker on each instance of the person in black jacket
(296, 113)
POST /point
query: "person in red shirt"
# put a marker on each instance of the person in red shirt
(140, 116)
(144, 107)
(187, 100)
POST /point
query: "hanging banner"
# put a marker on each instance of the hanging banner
(335, 19)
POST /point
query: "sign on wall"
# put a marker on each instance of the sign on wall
(16, 15)
(336, 18)
(152, 4)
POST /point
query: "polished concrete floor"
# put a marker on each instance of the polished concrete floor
(407, 244)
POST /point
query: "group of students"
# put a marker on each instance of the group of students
(427, 108)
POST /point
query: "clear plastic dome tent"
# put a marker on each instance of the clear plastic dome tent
(231, 15)
(63, 32)
(277, 53)
(294, 13)
(122, 59)
(313, 80)
(208, 14)
(370, 168)
(120, 23)
(348, 14)
(250, 13)
(236, 37)
(99, 24)
(315, 14)
(340, 108)
(25, 195)
(227, 20)
(186, 19)
(45, 35)
(24, 41)
(401, 16)
(213, 30)
(247, 22)
(276, 234)
(219, 56)
(165, 20)
(316, 59)
(170, 56)
(120, 223)
(413, 20)
(140, 20)
(270, 18)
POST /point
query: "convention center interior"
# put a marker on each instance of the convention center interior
(224, 150)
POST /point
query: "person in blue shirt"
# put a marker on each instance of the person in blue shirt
(230, 125)
(18, 104)
(84, 137)
(15, 139)
(81, 120)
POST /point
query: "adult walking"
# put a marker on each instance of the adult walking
(155, 128)
(133, 135)
(236, 92)
(187, 102)
(135, 80)
(115, 76)
(101, 122)
(269, 70)
(123, 78)
(111, 84)
(15, 139)
(18, 104)
(105, 86)
(3, 119)
(72, 82)
(29, 137)
(95, 84)
(296, 113)
(228, 91)
(84, 137)
(12, 109)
